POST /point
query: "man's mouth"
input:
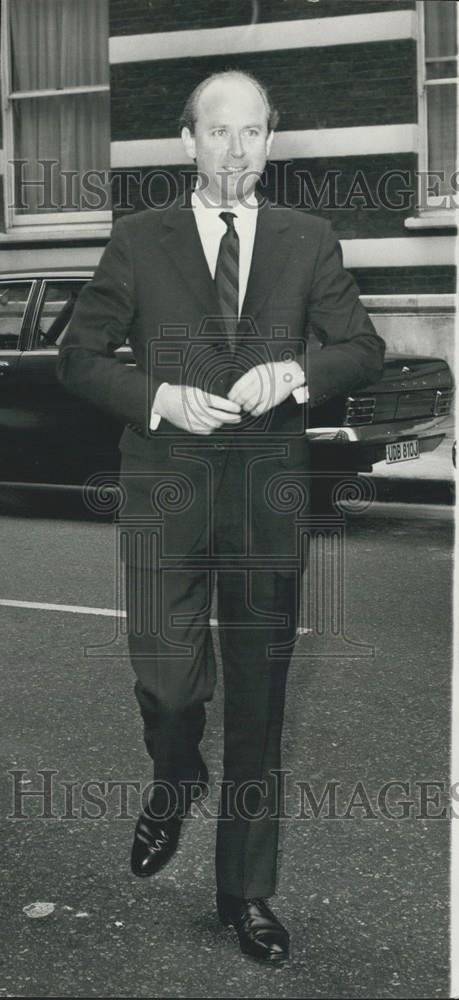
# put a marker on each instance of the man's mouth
(234, 170)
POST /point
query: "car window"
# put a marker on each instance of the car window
(13, 300)
(55, 312)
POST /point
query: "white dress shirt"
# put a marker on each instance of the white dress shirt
(211, 228)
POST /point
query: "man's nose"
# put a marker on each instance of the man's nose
(236, 147)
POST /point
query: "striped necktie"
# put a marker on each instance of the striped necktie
(227, 277)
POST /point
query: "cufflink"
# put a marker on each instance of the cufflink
(300, 377)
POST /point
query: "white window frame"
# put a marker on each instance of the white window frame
(90, 222)
(435, 210)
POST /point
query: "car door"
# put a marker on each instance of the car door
(71, 438)
(17, 298)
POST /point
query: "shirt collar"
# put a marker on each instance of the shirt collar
(203, 204)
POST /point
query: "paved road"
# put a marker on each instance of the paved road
(365, 895)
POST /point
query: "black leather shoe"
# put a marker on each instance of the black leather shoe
(156, 839)
(260, 933)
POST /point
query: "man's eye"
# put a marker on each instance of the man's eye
(219, 131)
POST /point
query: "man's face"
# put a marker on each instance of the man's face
(231, 140)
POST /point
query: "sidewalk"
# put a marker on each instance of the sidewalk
(428, 479)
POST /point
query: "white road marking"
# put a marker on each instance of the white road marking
(75, 609)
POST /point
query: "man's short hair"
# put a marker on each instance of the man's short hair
(189, 113)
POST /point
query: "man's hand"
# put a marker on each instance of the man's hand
(265, 386)
(194, 410)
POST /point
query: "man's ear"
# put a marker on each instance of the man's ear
(189, 142)
(269, 141)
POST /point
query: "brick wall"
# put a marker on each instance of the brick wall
(405, 280)
(314, 88)
(302, 184)
(346, 85)
(132, 17)
(1, 119)
(359, 194)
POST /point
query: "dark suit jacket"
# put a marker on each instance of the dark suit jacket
(153, 285)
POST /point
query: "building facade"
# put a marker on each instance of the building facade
(366, 89)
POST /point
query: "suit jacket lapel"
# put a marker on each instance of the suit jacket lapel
(181, 241)
(270, 252)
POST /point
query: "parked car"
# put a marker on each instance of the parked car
(49, 436)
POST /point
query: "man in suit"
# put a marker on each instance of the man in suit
(217, 295)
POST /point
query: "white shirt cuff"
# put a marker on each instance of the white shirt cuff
(301, 394)
(155, 418)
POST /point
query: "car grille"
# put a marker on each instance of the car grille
(359, 411)
(423, 403)
(442, 402)
(415, 404)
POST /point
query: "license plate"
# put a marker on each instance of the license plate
(402, 451)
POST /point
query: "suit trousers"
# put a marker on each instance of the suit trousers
(174, 660)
